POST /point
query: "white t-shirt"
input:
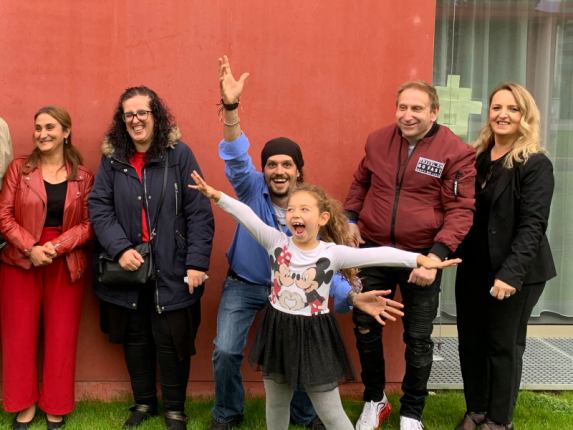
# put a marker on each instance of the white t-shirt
(301, 279)
(410, 149)
(281, 216)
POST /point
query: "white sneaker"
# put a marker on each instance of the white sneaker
(373, 414)
(410, 424)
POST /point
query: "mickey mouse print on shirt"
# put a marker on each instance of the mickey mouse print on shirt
(281, 295)
(288, 286)
(311, 280)
(280, 265)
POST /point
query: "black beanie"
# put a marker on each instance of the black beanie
(282, 146)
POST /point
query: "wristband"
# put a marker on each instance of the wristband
(223, 106)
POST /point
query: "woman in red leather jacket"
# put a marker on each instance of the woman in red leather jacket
(44, 219)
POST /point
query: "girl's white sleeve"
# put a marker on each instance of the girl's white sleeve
(268, 237)
(345, 257)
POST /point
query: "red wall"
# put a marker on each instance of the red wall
(323, 72)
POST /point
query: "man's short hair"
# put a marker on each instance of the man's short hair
(424, 87)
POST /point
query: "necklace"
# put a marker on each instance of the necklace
(53, 173)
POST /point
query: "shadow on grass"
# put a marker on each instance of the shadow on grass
(535, 411)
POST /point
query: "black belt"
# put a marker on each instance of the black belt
(231, 274)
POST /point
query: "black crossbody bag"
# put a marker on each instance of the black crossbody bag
(111, 273)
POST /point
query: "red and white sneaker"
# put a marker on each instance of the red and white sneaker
(373, 414)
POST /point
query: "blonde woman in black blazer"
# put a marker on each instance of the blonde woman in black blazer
(507, 258)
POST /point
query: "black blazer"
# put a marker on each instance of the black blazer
(519, 213)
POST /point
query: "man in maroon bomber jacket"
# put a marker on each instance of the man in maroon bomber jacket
(413, 190)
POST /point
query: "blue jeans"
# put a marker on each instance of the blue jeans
(240, 303)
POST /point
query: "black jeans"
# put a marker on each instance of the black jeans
(420, 309)
(148, 341)
(492, 336)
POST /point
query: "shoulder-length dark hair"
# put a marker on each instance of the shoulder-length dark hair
(72, 156)
(118, 136)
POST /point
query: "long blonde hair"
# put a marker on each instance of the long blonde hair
(335, 229)
(528, 141)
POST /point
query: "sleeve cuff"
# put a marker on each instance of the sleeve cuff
(199, 269)
(120, 253)
(352, 216)
(509, 281)
(232, 150)
(440, 250)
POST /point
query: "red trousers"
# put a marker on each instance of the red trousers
(25, 295)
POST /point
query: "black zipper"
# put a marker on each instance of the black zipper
(176, 198)
(151, 236)
(399, 183)
(456, 179)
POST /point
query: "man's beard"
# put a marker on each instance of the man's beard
(274, 192)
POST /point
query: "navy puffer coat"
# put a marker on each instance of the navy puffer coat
(184, 231)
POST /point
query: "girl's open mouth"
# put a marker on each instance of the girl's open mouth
(298, 228)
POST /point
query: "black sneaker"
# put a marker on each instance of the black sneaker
(234, 423)
(314, 424)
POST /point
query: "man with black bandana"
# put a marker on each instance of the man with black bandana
(248, 284)
(413, 190)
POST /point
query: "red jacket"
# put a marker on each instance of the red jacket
(23, 209)
(429, 205)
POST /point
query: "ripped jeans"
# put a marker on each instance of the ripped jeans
(420, 310)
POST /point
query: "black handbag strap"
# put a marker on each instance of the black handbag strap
(165, 170)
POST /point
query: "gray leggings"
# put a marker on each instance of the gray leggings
(327, 405)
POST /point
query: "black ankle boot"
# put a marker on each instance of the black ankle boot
(175, 420)
(139, 414)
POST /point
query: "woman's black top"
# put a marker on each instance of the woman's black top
(486, 178)
(56, 194)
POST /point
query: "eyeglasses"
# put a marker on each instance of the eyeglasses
(140, 114)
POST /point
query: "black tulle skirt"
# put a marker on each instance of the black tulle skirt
(307, 352)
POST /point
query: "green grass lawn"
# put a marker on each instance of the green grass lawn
(536, 410)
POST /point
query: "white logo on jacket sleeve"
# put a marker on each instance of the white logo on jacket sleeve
(430, 167)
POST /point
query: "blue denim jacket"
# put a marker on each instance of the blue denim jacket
(246, 257)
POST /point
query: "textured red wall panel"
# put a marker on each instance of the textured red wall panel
(323, 72)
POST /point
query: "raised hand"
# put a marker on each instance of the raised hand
(202, 186)
(231, 89)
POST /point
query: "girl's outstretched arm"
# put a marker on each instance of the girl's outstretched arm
(385, 256)
(268, 237)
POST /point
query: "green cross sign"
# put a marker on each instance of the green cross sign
(456, 105)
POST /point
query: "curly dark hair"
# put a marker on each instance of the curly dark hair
(120, 138)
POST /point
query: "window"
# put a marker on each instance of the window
(479, 43)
